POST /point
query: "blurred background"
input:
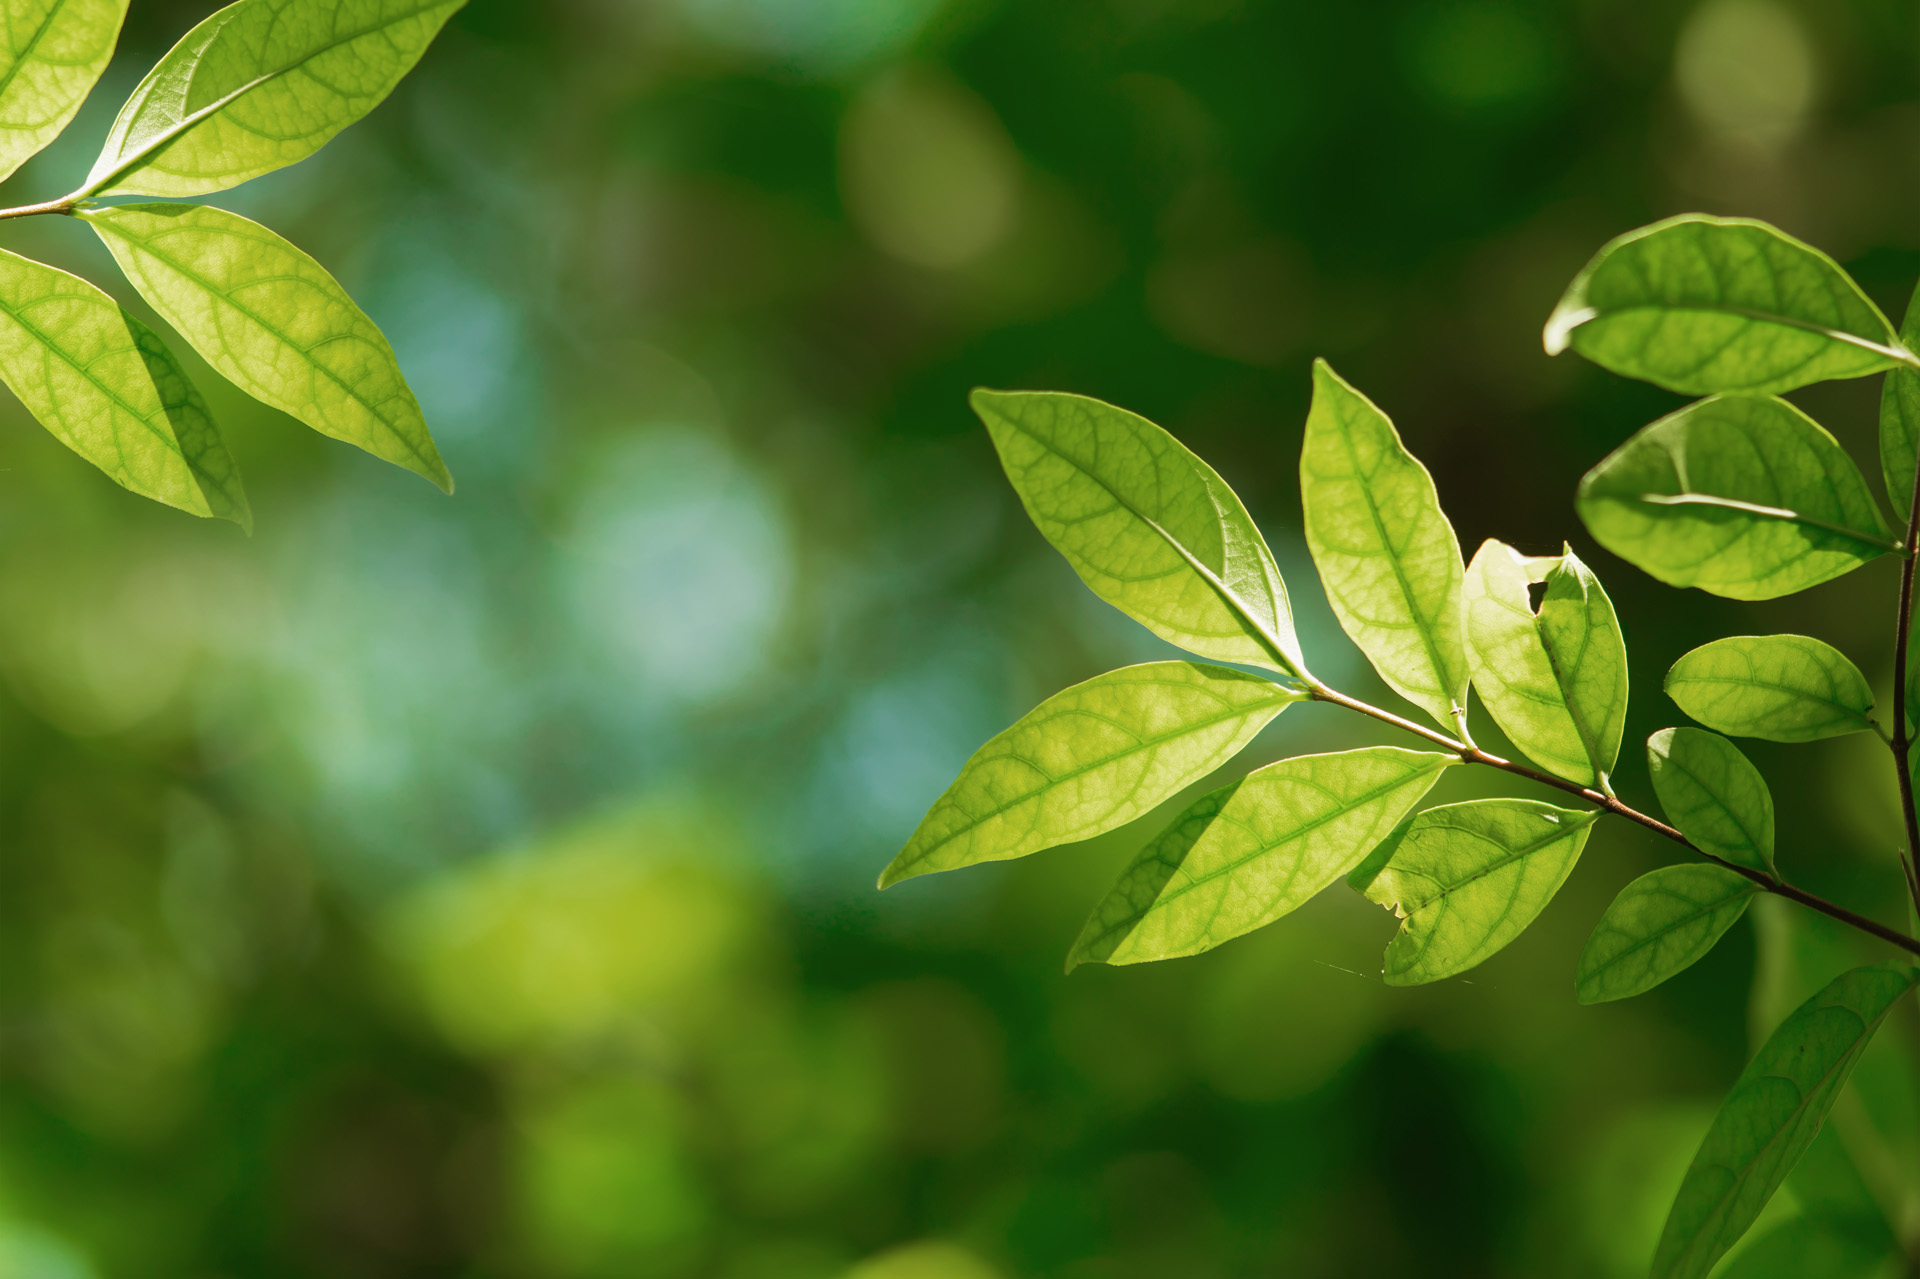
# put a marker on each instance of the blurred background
(484, 886)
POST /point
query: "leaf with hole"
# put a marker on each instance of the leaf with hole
(51, 54)
(1741, 496)
(1466, 879)
(1701, 304)
(1090, 759)
(109, 389)
(1663, 922)
(1387, 556)
(1147, 525)
(1554, 680)
(1772, 1115)
(1713, 795)
(1249, 853)
(1784, 688)
(274, 321)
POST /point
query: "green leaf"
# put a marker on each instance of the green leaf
(1784, 688)
(110, 390)
(1900, 417)
(1466, 879)
(1817, 1248)
(1713, 795)
(1772, 1115)
(1555, 681)
(1387, 556)
(51, 53)
(1700, 304)
(1251, 852)
(1661, 923)
(1146, 524)
(272, 320)
(1742, 496)
(1090, 759)
(258, 86)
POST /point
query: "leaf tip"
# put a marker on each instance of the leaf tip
(1558, 333)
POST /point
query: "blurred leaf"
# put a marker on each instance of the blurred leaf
(1555, 681)
(1148, 525)
(272, 320)
(1386, 554)
(1466, 879)
(1784, 688)
(257, 86)
(109, 389)
(51, 54)
(1090, 759)
(1741, 496)
(1900, 418)
(1661, 923)
(1813, 1248)
(1251, 852)
(1701, 304)
(1713, 794)
(1772, 1116)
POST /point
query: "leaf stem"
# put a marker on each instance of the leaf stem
(1612, 804)
(1901, 742)
(65, 204)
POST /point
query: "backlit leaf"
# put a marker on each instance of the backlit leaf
(1772, 1115)
(1713, 795)
(1387, 556)
(257, 86)
(1900, 417)
(1145, 523)
(1249, 853)
(110, 390)
(1089, 759)
(1466, 879)
(1785, 688)
(51, 53)
(1701, 304)
(272, 320)
(1556, 680)
(1660, 924)
(1742, 496)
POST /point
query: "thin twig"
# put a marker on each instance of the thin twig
(65, 204)
(1902, 742)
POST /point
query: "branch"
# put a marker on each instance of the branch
(1902, 741)
(64, 205)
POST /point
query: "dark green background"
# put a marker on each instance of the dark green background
(483, 886)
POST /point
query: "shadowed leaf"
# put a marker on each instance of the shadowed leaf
(1713, 795)
(1661, 923)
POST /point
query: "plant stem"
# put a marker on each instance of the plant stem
(65, 204)
(1902, 741)
(1612, 804)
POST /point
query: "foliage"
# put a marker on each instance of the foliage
(1739, 494)
(259, 85)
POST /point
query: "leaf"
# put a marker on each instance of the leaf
(272, 320)
(109, 389)
(1251, 852)
(1741, 496)
(1772, 1115)
(1146, 524)
(51, 54)
(1466, 879)
(257, 86)
(1701, 304)
(1713, 795)
(1900, 418)
(1661, 923)
(1555, 681)
(1387, 556)
(1784, 688)
(1090, 759)
(1816, 1248)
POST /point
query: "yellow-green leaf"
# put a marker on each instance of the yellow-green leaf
(51, 53)
(1660, 924)
(1713, 794)
(1784, 688)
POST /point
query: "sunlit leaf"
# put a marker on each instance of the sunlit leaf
(1466, 879)
(1145, 523)
(1785, 688)
(1743, 496)
(1900, 417)
(1661, 923)
(257, 86)
(1387, 556)
(1701, 304)
(51, 53)
(271, 319)
(1772, 1116)
(1556, 680)
(1713, 795)
(109, 389)
(1089, 759)
(1249, 853)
